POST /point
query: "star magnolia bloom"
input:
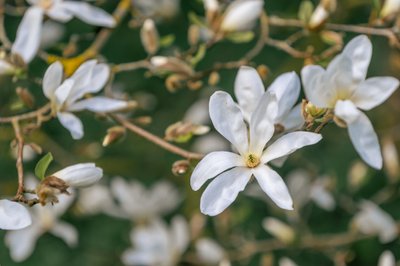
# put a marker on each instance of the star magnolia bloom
(156, 244)
(138, 203)
(13, 216)
(343, 87)
(65, 97)
(80, 175)
(45, 219)
(241, 15)
(249, 89)
(233, 171)
(372, 220)
(29, 31)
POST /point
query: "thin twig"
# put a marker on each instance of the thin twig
(155, 139)
(19, 163)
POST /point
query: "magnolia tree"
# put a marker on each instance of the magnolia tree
(114, 114)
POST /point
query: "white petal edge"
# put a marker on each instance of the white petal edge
(72, 123)
(241, 15)
(66, 232)
(288, 144)
(249, 89)
(228, 120)
(22, 242)
(98, 104)
(52, 79)
(13, 216)
(274, 186)
(359, 49)
(374, 91)
(313, 78)
(28, 34)
(212, 165)
(223, 190)
(361, 132)
(90, 14)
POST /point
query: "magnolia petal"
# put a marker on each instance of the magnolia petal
(62, 92)
(223, 190)
(359, 50)
(13, 216)
(212, 165)
(6, 67)
(138, 257)
(28, 34)
(361, 133)
(261, 124)
(286, 87)
(339, 77)
(66, 232)
(80, 175)
(59, 13)
(180, 233)
(314, 83)
(99, 77)
(98, 104)
(228, 120)
(82, 78)
(22, 242)
(249, 89)
(241, 15)
(90, 14)
(274, 186)
(387, 259)
(209, 251)
(52, 79)
(374, 91)
(288, 144)
(72, 123)
(294, 120)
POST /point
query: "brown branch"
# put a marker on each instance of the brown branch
(34, 114)
(19, 163)
(155, 139)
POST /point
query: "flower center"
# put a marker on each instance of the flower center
(252, 160)
(45, 4)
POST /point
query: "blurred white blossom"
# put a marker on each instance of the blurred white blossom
(137, 202)
(390, 8)
(158, 9)
(285, 261)
(387, 259)
(343, 87)
(80, 175)
(30, 29)
(279, 230)
(372, 220)
(209, 251)
(233, 171)
(158, 244)
(13, 216)
(96, 199)
(66, 97)
(44, 219)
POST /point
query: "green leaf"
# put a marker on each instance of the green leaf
(201, 52)
(305, 11)
(241, 37)
(42, 165)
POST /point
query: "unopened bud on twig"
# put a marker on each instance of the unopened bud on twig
(171, 64)
(114, 134)
(180, 167)
(390, 9)
(26, 97)
(322, 13)
(149, 36)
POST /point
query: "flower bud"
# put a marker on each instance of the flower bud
(390, 159)
(149, 36)
(114, 134)
(241, 15)
(310, 109)
(279, 230)
(213, 79)
(180, 167)
(171, 64)
(80, 175)
(183, 131)
(390, 9)
(322, 13)
(26, 97)
(48, 190)
(212, 10)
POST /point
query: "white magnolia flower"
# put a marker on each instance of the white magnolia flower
(138, 202)
(233, 171)
(66, 97)
(249, 90)
(343, 87)
(80, 175)
(44, 219)
(241, 15)
(285, 261)
(387, 259)
(156, 244)
(372, 220)
(29, 31)
(209, 251)
(13, 216)
(96, 199)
